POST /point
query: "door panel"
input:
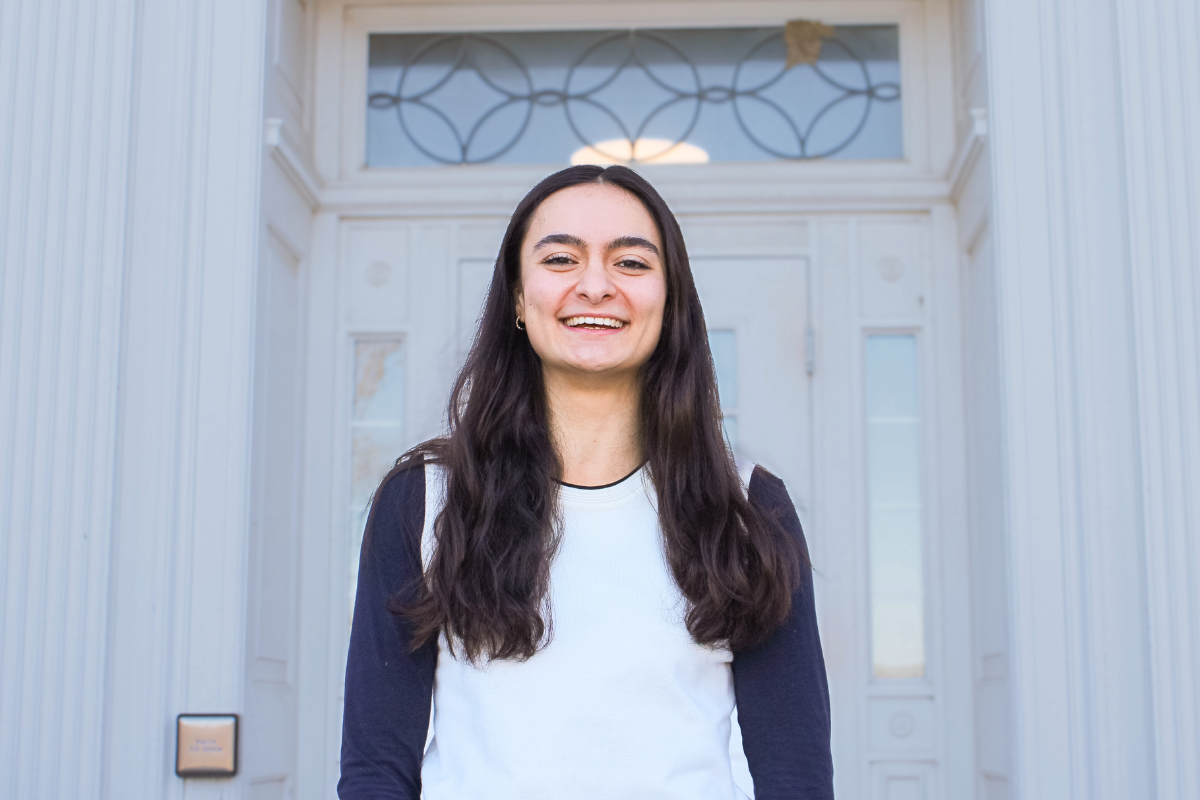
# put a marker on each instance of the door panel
(763, 303)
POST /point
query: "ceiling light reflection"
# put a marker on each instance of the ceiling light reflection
(643, 151)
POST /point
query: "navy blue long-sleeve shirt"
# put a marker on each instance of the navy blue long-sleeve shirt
(780, 685)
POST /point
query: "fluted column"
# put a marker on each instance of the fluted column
(1078, 594)
(178, 599)
(1160, 91)
(130, 154)
(66, 80)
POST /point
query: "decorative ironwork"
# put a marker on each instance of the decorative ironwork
(472, 52)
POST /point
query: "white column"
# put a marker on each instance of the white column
(129, 167)
(1160, 91)
(1080, 666)
(66, 72)
(177, 630)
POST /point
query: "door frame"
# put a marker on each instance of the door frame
(826, 191)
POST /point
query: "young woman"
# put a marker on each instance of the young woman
(576, 577)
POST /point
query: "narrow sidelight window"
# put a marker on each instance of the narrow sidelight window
(894, 507)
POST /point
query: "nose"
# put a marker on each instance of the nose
(595, 284)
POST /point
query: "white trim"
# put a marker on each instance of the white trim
(967, 155)
(292, 165)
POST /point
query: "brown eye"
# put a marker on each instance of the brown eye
(632, 263)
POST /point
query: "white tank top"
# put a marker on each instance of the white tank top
(620, 704)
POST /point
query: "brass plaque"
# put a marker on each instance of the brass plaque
(206, 745)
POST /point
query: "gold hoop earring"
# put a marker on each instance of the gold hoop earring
(520, 325)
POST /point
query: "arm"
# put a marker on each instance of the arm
(780, 685)
(388, 688)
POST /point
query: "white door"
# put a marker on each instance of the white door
(821, 333)
(752, 277)
(832, 333)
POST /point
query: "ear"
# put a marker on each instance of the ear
(518, 301)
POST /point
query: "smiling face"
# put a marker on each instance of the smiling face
(593, 286)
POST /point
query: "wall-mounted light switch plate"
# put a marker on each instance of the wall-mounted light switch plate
(206, 745)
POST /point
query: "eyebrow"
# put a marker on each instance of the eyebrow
(575, 241)
(560, 238)
(633, 241)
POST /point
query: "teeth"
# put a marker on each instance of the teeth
(608, 322)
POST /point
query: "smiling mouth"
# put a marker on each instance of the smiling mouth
(594, 323)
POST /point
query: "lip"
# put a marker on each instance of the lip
(623, 323)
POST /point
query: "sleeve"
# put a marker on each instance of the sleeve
(388, 688)
(780, 685)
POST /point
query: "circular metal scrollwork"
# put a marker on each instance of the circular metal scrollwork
(463, 143)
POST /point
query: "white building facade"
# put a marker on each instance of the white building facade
(965, 332)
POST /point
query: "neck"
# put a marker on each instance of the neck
(594, 425)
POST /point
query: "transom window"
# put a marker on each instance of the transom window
(642, 96)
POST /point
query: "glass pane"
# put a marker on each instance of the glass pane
(649, 96)
(894, 498)
(378, 381)
(378, 431)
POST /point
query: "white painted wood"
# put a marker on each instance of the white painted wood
(1159, 86)
(269, 758)
(758, 289)
(987, 532)
(65, 93)
(176, 637)
(1071, 508)
(322, 652)
(982, 470)
(949, 578)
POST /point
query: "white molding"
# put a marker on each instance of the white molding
(762, 189)
(65, 93)
(1160, 92)
(967, 155)
(323, 622)
(294, 167)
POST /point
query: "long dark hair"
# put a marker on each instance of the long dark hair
(487, 585)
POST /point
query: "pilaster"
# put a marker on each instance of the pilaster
(66, 79)
(1077, 593)
(1160, 90)
(177, 607)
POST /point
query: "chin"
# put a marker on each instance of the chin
(594, 363)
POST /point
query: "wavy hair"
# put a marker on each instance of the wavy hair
(487, 584)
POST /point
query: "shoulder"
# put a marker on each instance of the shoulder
(767, 492)
(401, 487)
(397, 511)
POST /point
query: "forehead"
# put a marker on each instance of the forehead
(594, 213)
